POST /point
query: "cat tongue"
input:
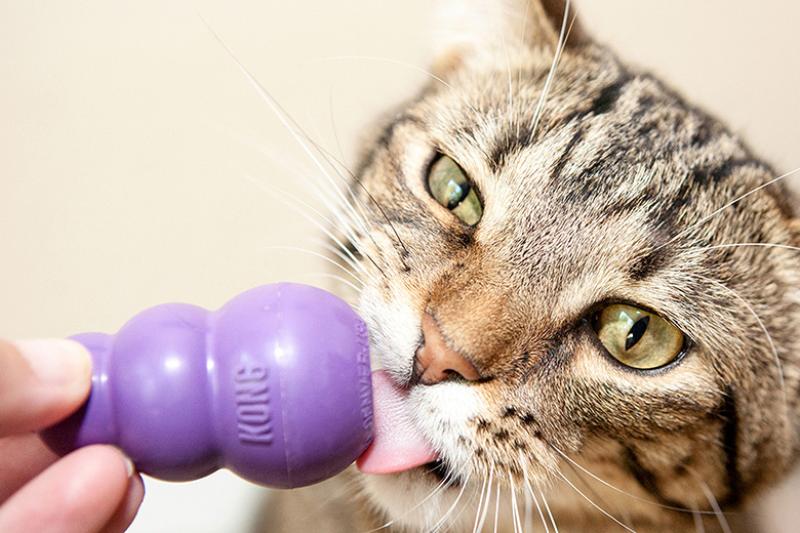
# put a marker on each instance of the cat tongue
(397, 444)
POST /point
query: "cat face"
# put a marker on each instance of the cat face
(601, 253)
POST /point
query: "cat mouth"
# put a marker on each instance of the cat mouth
(398, 444)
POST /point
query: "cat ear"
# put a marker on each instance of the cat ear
(466, 31)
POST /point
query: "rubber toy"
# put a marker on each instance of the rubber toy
(275, 386)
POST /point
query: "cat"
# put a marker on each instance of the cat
(587, 284)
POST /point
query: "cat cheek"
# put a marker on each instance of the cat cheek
(394, 328)
(445, 414)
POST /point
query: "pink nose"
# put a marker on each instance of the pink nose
(436, 361)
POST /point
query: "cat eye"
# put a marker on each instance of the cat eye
(638, 338)
(451, 187)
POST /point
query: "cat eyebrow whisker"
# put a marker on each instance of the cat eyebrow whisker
(510, 97)
(300, 136)
(295, 204)
(408, 65)
(390, 61)
(562, 42)
(325, 194)
(339, 252)
(357, 182)
(328, 201)
(357, 210)
(736, 200)
(325, 258)
(745, 244)
(761, 325)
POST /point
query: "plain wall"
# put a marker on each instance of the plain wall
(138, 165)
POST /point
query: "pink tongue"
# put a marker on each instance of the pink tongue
(398, 444)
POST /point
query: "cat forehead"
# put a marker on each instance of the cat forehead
(604, 140)
(591, 182)
(486, 119)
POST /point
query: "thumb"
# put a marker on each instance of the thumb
(41, 382)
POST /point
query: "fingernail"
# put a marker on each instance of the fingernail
(57, 362)
(128, 465)
(130, 468)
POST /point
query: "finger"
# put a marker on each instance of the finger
(22, 457)
(127, 510)
(78, 494)
(41, 382)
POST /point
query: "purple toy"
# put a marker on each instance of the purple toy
(275, 386)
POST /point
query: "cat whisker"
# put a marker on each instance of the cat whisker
(751, 244)
(467, 505)
(356, 212)
(294, 129)
(712, 500)
(339, 279)
(615, 488)
(514, 508)
(528, 510)
(527, 481)
(287, 199)
(338, 252)
(485, 512)
(484, 486)
(714, 213)
(332, 121)
(597, 497)
(761, 325)
(562, 41)
(362, 206)
(325, 223)
(358, 207)
(343, 200)
(442, 520)
(549, 513)
(496, 508)
(320, 256)
(522, 43)
(389, 60)
(510, 96)
(443, 485)
(698, 522)
(405, 64)
(311, 186)
(593, 504)
(328, 197)
(304, 209)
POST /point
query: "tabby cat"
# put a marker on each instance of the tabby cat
(587, 284)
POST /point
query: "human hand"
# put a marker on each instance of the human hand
(91, 490)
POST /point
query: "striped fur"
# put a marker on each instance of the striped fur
(613, 192)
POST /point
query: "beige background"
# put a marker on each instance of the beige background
(133, 154)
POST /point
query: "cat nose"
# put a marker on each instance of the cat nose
(436, 361)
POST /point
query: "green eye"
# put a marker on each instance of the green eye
(638, 338)
(452, 188)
